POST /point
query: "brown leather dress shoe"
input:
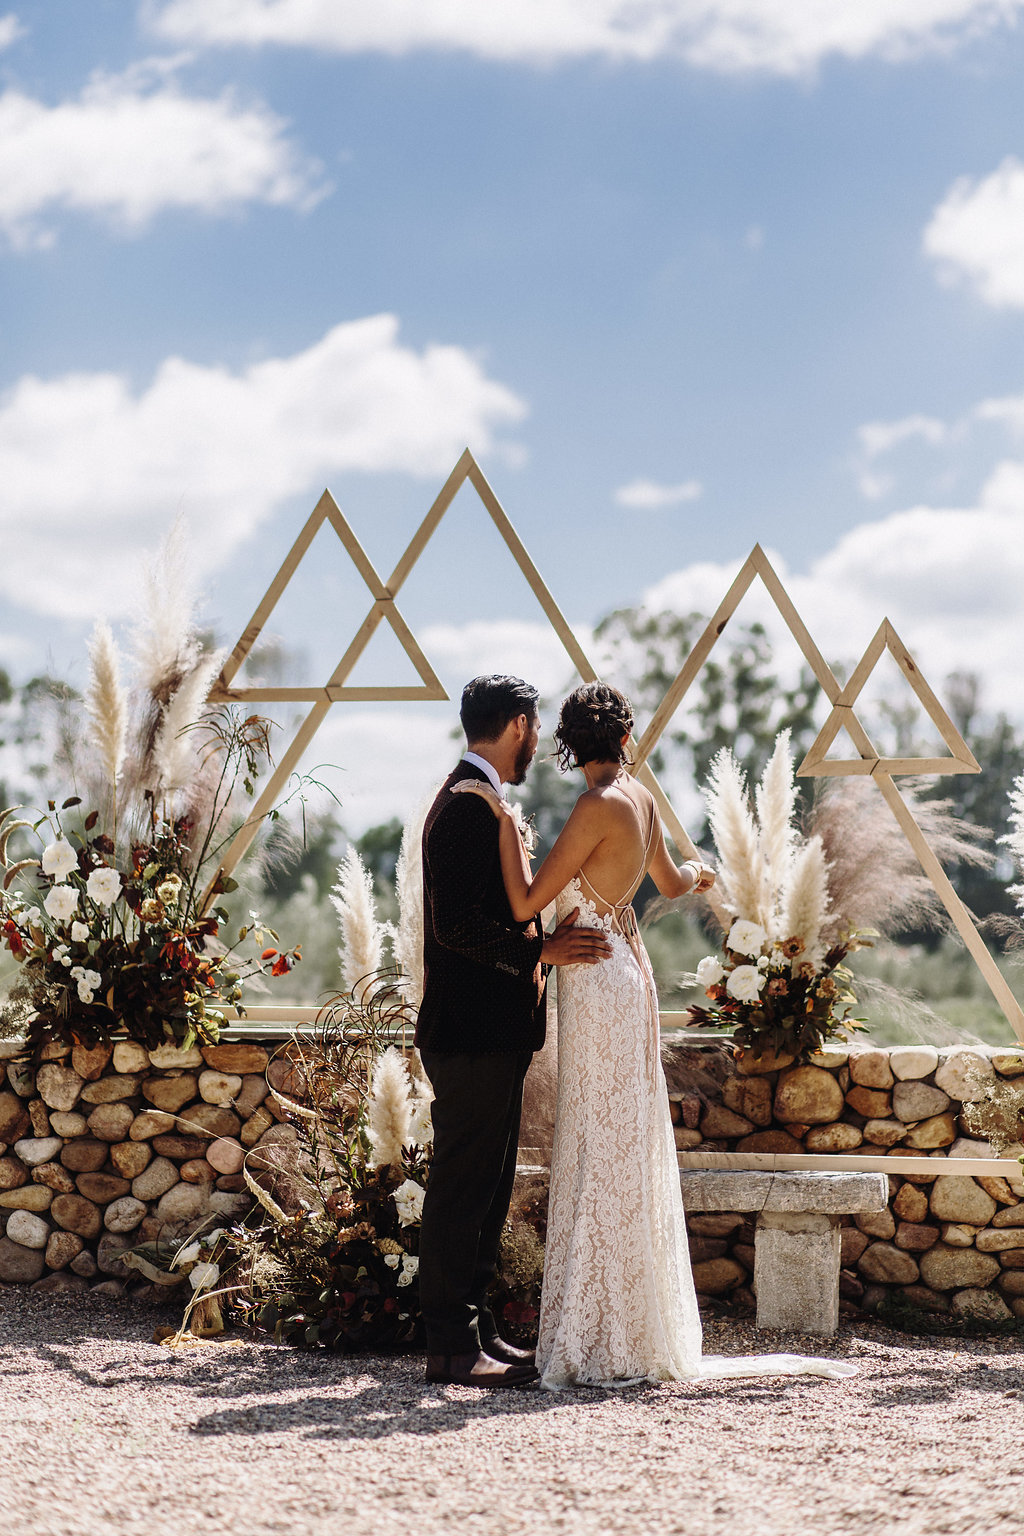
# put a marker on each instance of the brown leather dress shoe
(478, 1370)
(510, 1353)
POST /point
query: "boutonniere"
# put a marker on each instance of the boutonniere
(527, 830)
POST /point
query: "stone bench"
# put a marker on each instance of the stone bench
(796, 1242)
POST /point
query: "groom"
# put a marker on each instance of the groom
(481, 1019)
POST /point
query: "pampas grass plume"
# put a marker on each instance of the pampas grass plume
(361, 934)
(174, 752)
(389, 1109)
(804, 909)
(1014, 839)
(106, 703)
(776, 801)
(407, 936)
(735, 833)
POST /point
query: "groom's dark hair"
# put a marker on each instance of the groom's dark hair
(489, 703)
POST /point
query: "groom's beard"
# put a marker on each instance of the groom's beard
(521, 766)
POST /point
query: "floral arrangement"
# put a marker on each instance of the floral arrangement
(800, 901)
(113, 913)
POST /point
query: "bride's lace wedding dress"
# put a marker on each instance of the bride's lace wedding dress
(618, 1300)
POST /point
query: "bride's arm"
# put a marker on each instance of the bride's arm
(530, 893)
(693, 876)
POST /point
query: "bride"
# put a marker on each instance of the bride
(618, 1302)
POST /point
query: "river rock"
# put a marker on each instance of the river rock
(925, 1299)
(809, 1095)
(837, 1137)
(156, 1180)
(14, 1120)
(986, 1306)
(235, 1183)
(176, 1056)
(130, 1056)
(185, 1202)
(1008, 1063)
(229, 1207)
(685, 1139)
(871, 1068)
(13, 1173)
(130, 1157)
(877, 1224)
(38, 1118)
(886, 1265)
(913, 1061)
(84, 1264)
(911, 1203)
(110, 1090)
(58, 1087)
(61, 1248)
(915, 1236)
(19, 1265)
(109, 1251)
(959, 1236)
(179, 1147)
(748, 1064)
(1000, 1190)
(262, 1120)
(915, 1100)
(68, 1124)
(54, 1177)
(33, 1150)
(227, 1155)
(760, 1141)
(713, 1226)
(221, 1087)
(717, 1276)
(961, 1200)
(91, 1062)
(30, 1197)
(832, 1057)
(236, 1056)
(852, 1243)
(101, 1187)
(872, 1103)
(197, 1171)
(255, 1089)
(124, 1214)
(28, 1229)
(938, 1131)
(1012, 1217)
(201, 1119)
(1012, 1258)
(1011, 1282)
(111, 1122)
(170, 1093)
(85, 1155)
(965, 1075)
(996, 1239)
(151, 1122)
(950, 1269)
(718, 1121)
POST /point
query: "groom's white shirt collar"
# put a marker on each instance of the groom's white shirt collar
(488, 768)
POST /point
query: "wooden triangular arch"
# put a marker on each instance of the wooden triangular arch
(816, 764)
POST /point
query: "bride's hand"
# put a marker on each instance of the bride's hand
(704, 877)
(498, 805)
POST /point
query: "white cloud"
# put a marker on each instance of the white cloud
(881, 436)
(10, 30)
(785, 37)
(93, 472)
(530, 650)
(646, 495)
(134, 145)
(976, 234)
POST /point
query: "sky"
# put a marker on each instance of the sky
(685, 275)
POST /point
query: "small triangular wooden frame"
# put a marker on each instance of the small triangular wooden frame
(816, 764)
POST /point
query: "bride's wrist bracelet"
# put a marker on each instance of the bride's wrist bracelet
(698, 871)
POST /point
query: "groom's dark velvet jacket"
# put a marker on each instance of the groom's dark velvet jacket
(483, 990)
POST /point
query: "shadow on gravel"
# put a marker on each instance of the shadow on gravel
(934, 1385)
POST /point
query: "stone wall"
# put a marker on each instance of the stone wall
(105, 1149)
(945, 1243)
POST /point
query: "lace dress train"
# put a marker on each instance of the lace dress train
(618, 1302)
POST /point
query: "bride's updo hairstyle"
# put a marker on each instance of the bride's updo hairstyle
(590, 728)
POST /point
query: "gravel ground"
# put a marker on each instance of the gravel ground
(106, 1432)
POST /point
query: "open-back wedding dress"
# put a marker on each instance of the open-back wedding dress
(618, 1301)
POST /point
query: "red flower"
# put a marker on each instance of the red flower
(15, 942)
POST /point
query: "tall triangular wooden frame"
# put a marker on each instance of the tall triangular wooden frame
(384, 608)
(816, 764)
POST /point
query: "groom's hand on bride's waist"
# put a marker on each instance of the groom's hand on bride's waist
(569, 945)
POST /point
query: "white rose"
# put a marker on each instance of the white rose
(745, 938)
(710, 971)
(745, 983)
(410, 1264)
(104, 885)
(168, 892)
(92, 978)
(405, 1278)
(79, 933)
(421, 1126)
(85, 993)
(392, 1260)
(61, 903)
(203, 1277)
(409, 1202)
(59, 859)
(186, 1255)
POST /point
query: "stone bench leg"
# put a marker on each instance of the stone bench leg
(796, 1272)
